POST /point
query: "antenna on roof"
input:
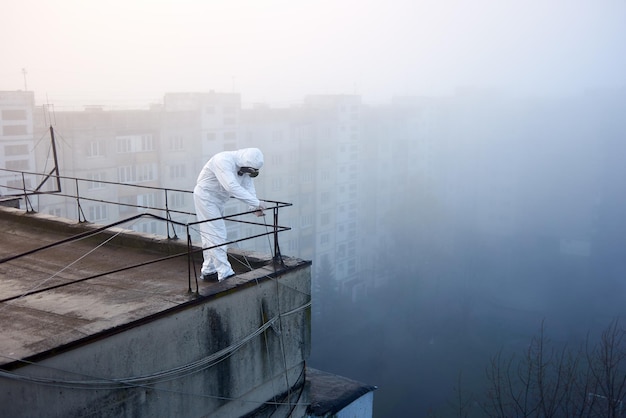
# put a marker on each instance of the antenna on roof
(24, 74)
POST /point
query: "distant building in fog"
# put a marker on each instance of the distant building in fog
(16, 138)
(349, 169)
(312, 158)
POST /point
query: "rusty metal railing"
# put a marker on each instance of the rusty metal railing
(25, 191)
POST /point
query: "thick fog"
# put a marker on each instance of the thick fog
(514, 214)
(119, 52)
(515, 220)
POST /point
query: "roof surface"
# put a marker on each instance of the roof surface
(330, 393)
(70, 292)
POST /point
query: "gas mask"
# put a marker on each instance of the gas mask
(253, 172)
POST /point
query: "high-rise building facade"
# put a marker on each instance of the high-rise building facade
(16, 140)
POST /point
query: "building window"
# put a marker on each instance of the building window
(11, 150)
(276, 159)
(306, 177)
(306, 221)
(54, 212)
(351, 266)
(124, 145)
(15, 185)
(136, 174)
(97, 213)
(95, 149)
(147, 143)
(324, 219)
(19, 165)
(292, 245)
(14, 130)
(145, 173)
(230, 121)
(230, 136)
(341, 251)
(324, 239)
(211, 136)
(125, 174)
(176, 143)
(149, 227)
(127, 205)
(277, 136)
(176, 199)
(146, 201)
(14, 114)
(134, 143)
(95, 179)
(177, 171)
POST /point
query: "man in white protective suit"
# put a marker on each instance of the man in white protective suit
(227, 174)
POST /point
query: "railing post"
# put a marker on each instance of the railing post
(190, 263)
(277, 255)
(169, 218)
(26, 199)
(79, 209)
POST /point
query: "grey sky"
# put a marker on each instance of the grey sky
(133, 51)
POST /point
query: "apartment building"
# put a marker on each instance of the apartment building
(17, 140)
(312, 159)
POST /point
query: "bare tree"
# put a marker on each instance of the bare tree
(560, 382)
(607, 366)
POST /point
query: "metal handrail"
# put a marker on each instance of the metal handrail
(170, 222)
(25, 192)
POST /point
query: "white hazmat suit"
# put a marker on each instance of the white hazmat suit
(218, 181)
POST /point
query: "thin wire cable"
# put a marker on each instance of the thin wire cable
(267, 348)
(280, 332)
(44, 281)
(280, 323)
(154, 378)
(150, 380)
(38, 141)
(177, 392)
(301, 382)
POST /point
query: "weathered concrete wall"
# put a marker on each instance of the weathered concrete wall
(179, 352)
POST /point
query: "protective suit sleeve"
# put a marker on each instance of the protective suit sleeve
(226, 175)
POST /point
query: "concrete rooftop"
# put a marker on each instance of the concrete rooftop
(60, 297)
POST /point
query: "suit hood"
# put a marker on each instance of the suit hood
(249, 157)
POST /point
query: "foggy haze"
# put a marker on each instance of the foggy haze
(514, 220)
(131, 52)
(514, 211)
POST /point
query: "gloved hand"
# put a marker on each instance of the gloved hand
(258, 211)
